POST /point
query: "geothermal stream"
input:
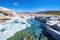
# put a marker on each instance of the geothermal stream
(10, 27)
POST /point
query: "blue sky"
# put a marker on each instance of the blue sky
(31, 5)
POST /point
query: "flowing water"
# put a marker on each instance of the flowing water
(9, 28)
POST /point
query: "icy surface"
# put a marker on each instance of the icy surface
(10, 27)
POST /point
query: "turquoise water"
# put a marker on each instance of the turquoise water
(37, 27)
(14, 25)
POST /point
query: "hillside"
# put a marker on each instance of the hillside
(41, 12)
(49, 12)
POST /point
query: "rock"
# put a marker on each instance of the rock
(6, 14)
(41, 19)
(53, 27)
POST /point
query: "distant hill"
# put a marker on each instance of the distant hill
(49, 12)
(42, 12)
(23, 12)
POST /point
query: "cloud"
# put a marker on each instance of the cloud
(16, 4)
(40, 9)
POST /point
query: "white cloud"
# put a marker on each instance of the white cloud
(16, 4)
(20, 10)
(40, 9)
